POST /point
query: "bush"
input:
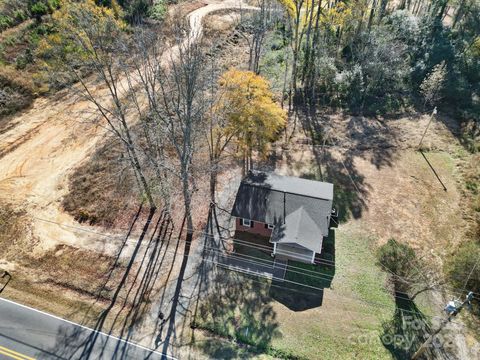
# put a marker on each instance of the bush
(408, 273)
(158, 10)
(12, 12)
(463, 268)
(136, 10)
(396, 257)
(351, 88)
(5, 22)
(39, 8)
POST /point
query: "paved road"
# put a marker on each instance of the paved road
(27, 334)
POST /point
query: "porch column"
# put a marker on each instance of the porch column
(274, 248)
(313, 257)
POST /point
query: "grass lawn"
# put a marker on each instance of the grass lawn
(344, 322)
(355, 310)
(349, 321)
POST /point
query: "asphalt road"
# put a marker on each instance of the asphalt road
(27, 334)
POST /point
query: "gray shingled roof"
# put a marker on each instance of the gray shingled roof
(299, 208)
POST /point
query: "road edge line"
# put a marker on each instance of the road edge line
(87, 328)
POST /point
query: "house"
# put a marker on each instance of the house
(294, 213)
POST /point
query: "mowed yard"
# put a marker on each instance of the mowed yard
(398, 197)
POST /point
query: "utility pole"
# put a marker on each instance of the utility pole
(434, 112)
(451, 315)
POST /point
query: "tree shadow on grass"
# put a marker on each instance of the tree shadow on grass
(238, 307)
(350, 189)
(223, 349)
(335, 149)
(406, 331)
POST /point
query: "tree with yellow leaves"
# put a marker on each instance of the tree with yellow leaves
(251, 117)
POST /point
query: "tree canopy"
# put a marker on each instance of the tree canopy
(249, 109)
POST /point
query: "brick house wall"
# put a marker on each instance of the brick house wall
(258, 228)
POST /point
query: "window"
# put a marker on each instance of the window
(247, 223)
(269, 226)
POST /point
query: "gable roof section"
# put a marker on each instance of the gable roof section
(300, 209)
(290, 184)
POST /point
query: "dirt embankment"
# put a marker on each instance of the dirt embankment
(39, 149)
(43, 145)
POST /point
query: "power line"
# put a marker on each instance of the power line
(297, 283)
(245, 260)
(326, 263)
(257, 274)
(266, 263)
(342, 296)
(197, 231)
(318, 277)
(272, 284)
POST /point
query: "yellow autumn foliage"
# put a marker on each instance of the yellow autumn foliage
(290, 6)
(77, 23)
(249, 109)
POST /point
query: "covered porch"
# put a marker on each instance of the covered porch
(294, 252)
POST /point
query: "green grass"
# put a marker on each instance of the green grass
(308, 274)
(347, 324)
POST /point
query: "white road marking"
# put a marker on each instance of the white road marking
(89, 329)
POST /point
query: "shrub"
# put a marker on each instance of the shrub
(5, 22)
(410, 275)
(158, 10)
(39, 8)
(136, 10)
(396, 257)
(463, 268)
(12, 12)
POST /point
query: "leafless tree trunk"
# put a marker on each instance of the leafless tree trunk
(105, 61)
(296, 47)
(177, 108)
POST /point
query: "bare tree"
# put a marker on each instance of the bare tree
(254, 29)
(175, 92)
(100, 48)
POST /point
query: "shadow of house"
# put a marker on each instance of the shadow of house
(304, 283)
(232, 305)
(301, 240)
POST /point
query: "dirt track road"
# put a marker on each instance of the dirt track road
(41, 146)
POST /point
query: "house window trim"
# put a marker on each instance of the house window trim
(250, 223)
(269, 226)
